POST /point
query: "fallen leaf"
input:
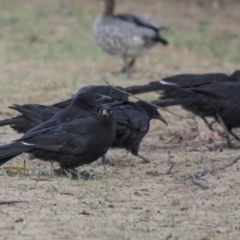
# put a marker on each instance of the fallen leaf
(19, 169)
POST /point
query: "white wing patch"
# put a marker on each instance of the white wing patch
(27, 144)
(167, 83)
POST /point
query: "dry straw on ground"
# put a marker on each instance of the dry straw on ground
(127, 200)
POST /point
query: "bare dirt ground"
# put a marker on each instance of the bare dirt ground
(128, 200)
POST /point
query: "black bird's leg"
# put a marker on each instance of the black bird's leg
(145, 160)
(76, 174)
(104, 160)
(229, 143)
(208, 124)
(234, 135)
(211, 124)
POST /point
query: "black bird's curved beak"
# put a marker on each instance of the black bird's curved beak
(103, 98)
(104, 112)
(160, 117)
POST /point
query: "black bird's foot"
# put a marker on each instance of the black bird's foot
(229, 143)
(144, 160)
(105, 161)
(79, 175)
(74, 173)
(234, 135)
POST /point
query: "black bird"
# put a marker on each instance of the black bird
(206, 95)
(72, 144)
(82, 106)
(225, 104)
(133, 120)
(35, 114)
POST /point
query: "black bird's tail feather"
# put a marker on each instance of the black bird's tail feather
(174, 101)
(17, 123)
(63, 104)
(151, 87)
(9, 121)
(29, 111)
(9, 151)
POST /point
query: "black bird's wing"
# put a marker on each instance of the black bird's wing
(225, 90)
(132, 116)
(67, 138)
(178, 82)
(190, 80)
(63, 104)
(65, 115)
(138, 89)
(36, 113)
(176, 101)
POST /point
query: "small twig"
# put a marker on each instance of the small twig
(169, 158)
(226, 165)
(201, 146)
(194, 176)
(13, 202)
(156, 106)
(170, 169)
(198, 182)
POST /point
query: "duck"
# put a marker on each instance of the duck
(125, 35)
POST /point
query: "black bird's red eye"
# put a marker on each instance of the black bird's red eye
(110, 112)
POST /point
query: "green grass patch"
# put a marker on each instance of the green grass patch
(224, 46)
(57, 30)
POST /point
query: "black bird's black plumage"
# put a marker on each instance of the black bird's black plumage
(133, 120)
(72, 144)
(171, 85)
(206, 95)
(84, 105)
(224, 101)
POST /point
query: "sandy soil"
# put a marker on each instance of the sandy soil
(128, 200)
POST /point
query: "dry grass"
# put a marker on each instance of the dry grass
(46, 54)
